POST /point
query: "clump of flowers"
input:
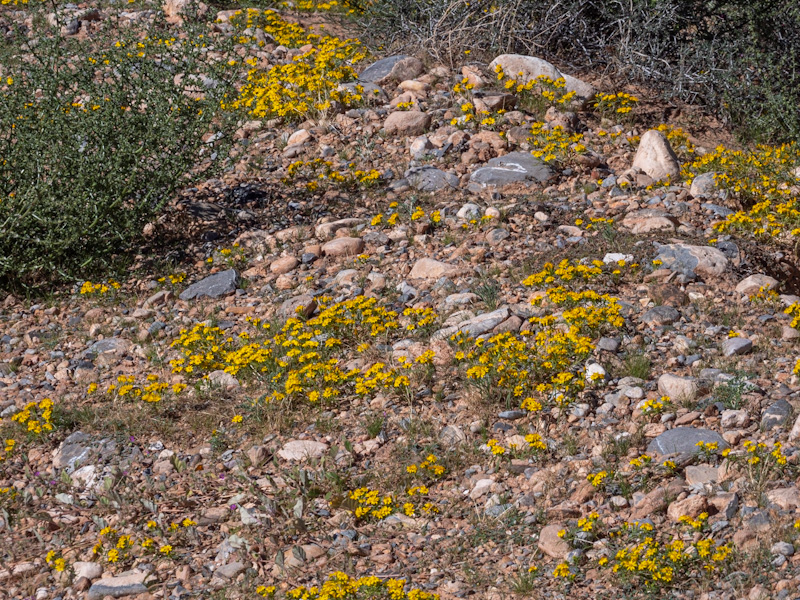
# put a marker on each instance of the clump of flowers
(641, 559)
(655, 406)
(36, 418)
(308, 85)
(56, 561)
(151, 390)
(538, 94)
(679, 140)
(759, 462)
(566, 271)
(554, 144)
(229, 256)
(429, 467)
(343, 587)
(616, 107)
(302, 360)
(698, 524)
(372, 505)
(396, 214)
(102, 290)
(318, 173)
(763, 180)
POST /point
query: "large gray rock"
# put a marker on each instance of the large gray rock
(683, 440)
(392, 68)
(737, 345)
(213, 286)
(117, 587)
(776, 415)
(475, 326)
(661, 315)
(515, 167)
(656, 157)
(532, 67)
(703, 186)
(108, 346)
(73, 450)
(692, 260)
(431, 179)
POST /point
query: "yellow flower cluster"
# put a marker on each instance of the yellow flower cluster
(302, 360)
(615, 105)
(536, 94)
(597, 479)
(371, 504)
(554, 144)
(36, 418)
(547, 358)
(639, 557)
(53, 559)
(655, 406)
(98, 289)
(763, 180)
(678, 140)
(565, 272)
(308, 85)
(151, 390)
(697, 524)
(340, 586)
(173, 279)
(430, 467)
(318, 171)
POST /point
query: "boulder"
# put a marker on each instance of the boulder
(407, 122)
(392, 69)
(524, 68)
(656, 157)
(514, 167)
(683, 440)
(692, 260)
(213, 286)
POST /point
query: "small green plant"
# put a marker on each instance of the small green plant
(637, 364)
(730, 392)
(489, 293)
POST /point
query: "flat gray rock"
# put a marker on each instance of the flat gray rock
(776, 415)
(398, 68)
(737, 345)
(74, 449)
(515, 167)
(683, 440)
(661, 315)
(693, 260)
(108, 346)
(431, 179)
(213, 286)
(117, 587)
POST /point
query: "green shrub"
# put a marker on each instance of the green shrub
(95, 137)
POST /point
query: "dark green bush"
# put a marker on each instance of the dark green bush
(741, 58)
(95, 137)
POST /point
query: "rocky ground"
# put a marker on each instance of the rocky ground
(506, 359)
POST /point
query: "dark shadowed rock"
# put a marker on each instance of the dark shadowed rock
(213, 286)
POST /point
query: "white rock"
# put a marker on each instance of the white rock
(656, 157)
(299, 450)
